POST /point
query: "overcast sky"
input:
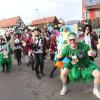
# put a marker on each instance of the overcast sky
(66, 9)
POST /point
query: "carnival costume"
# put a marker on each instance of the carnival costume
(5, 56)
(38, 53)
(62, 42)
(90, 38)
(80, 65)
(17, 49)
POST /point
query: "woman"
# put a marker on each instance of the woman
(90, 38)
(38, 53)
(5, 56)
(18, 48)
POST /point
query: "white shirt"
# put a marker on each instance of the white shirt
(88, 40)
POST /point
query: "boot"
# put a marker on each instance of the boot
(43, 74)
(38, 77)
(7, 68)
(3, 66)
(52, 72)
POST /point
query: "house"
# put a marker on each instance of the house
(93, 9)
(15, 24)
(44, 22)
(90, 9)
(91, 13)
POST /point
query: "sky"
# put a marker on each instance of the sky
(26, 9)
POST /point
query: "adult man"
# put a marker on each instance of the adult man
(80, 65)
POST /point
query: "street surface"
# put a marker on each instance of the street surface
(21, 84)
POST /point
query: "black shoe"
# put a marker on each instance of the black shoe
(33, 69)
(51, 76)
(7, 71)
(28, 64)
(18, 63)
(43, 74)
(3, 70)
(38, 77)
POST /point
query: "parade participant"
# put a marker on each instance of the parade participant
(53, 48)
(63, 38)
(38, 53)
(61, 43)
(5, 56)
(25, 44)
(17, 48)
(80, 66)
(1, 53)
(46, 42)
(9, 39)
(30, 53)
(89, 37)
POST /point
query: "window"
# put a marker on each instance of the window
(87, 14)
(97, 13)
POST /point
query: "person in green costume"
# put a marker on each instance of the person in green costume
(80, 65)
(5, 56)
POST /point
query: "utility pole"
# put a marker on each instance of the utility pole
(37, 11)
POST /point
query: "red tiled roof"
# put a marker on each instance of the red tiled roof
(9, 22)
(44, 20)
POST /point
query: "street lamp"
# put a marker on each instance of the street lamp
(37, 11)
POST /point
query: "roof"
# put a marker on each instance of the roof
(72, 22)
(44, 20)
(9, 22)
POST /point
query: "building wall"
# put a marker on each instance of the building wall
(97, 13)
(91, 2)
(93, 13)
(88, 12)
(15, 28)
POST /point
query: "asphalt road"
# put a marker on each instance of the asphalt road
(21, 84)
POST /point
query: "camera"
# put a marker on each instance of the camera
(81, 55)
(36, 47)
